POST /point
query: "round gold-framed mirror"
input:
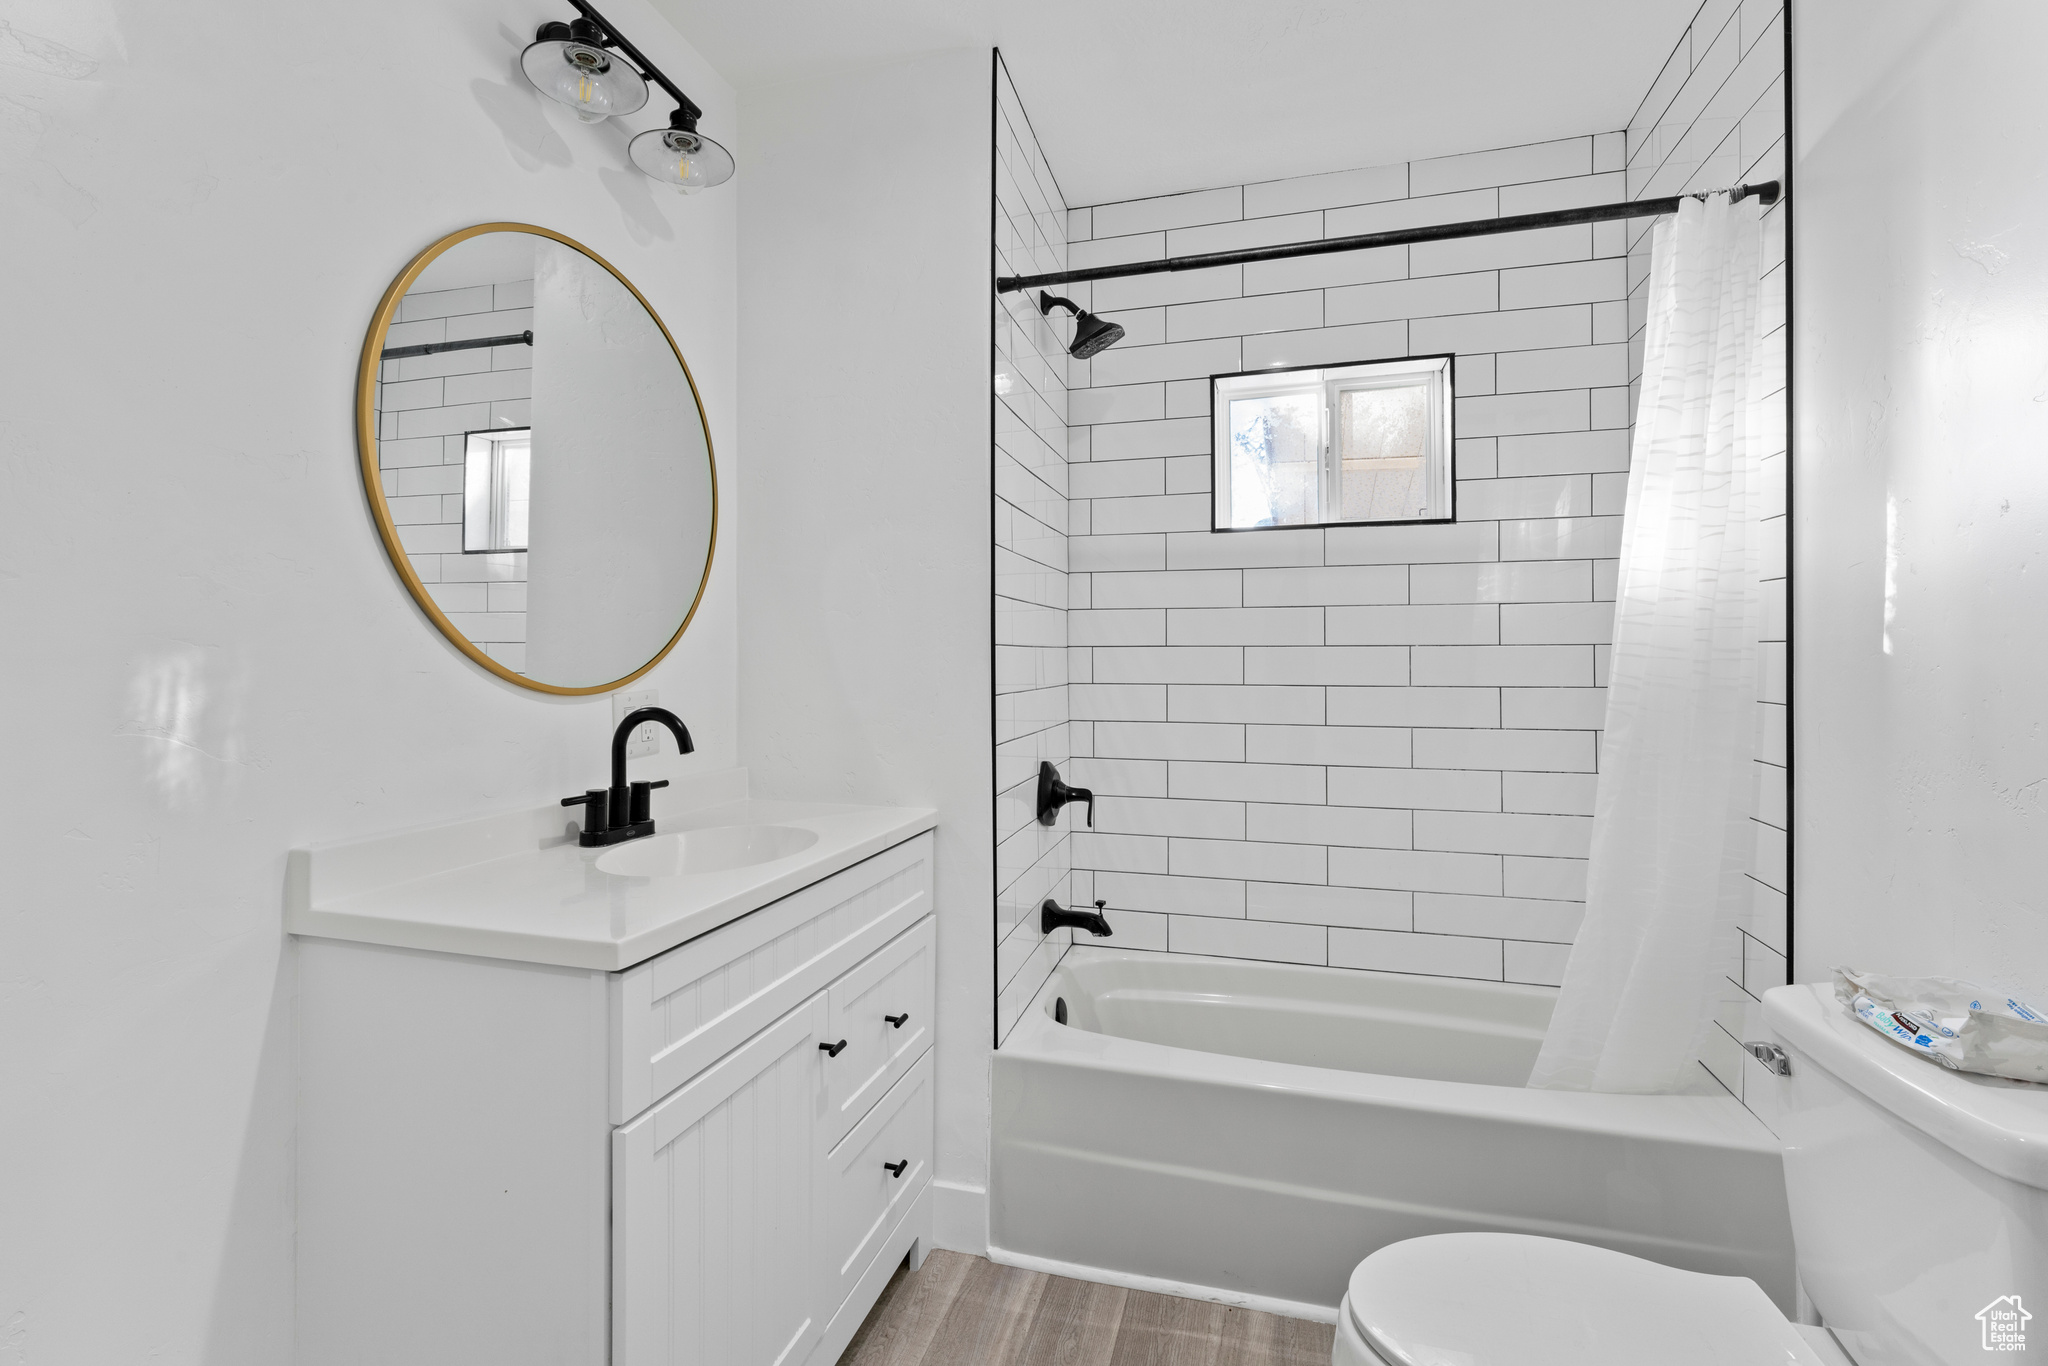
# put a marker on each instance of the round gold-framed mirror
(536, 458)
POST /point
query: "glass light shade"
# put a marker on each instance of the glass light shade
(585, 78)
(682, 158)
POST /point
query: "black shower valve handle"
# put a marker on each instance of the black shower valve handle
(1054, 794)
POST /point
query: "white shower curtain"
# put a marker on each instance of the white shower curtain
(1671, 841)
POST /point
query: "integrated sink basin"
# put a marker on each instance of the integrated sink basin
(714, 850)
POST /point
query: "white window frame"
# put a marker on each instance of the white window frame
(1331, 381)
(491, 443)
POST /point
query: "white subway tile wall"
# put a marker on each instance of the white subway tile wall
(425, 405)
(1032, 585)
(1716, 117)
(1369, 747)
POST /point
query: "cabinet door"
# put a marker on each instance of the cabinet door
(714, 1209)
(883, 1009)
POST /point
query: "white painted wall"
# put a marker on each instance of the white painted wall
(1921, 495)
(866, 642)
(208, 658)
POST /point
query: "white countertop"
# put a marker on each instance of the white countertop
(518, 886)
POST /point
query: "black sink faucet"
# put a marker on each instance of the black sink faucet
(625, 810)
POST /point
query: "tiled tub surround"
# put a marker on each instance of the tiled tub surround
(426, 404)
(1715, 116)
(1370, 747)
(1030, 378)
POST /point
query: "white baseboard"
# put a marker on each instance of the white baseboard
(1290, 1309)
(960, 1217)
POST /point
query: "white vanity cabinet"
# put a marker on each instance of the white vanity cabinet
(508, 1162)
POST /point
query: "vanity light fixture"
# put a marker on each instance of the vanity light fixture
(681, 156)
(570, 64)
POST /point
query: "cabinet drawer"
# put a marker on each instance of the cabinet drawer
(678, 1013)
(862, 1197)
(865, 1008)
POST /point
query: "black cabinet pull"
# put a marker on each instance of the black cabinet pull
(896, 1021)
(831, 1050)
(896, 1169)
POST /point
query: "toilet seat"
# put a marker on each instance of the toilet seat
(1508, 1299)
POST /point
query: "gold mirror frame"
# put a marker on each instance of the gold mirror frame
(373, 486)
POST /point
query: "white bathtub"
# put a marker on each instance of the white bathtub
(1247, 1132)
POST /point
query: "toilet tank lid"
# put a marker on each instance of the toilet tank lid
(2000, 1125)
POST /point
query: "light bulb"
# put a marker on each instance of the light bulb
(584, 78)
(682, 157)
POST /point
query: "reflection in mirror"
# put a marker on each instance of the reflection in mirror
(538, 458)
(495, 490)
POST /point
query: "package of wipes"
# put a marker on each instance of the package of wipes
(1954, 1023)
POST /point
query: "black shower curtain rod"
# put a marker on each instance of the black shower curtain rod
(1436, 232)
(468, 344)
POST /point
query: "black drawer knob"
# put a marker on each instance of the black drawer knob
(896, 1169)
(831, 1050)
(896, 1021)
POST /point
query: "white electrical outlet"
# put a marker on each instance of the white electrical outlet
(646, 739)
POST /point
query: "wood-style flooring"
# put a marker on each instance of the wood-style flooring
(959, 1310)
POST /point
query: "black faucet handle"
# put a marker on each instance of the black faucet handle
(1053, 793)
(596, 802)
(641, 801)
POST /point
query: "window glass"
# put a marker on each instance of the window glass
(1362, 443)
(1382, 439)
(1275, 448)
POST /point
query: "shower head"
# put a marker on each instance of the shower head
(1091, 334)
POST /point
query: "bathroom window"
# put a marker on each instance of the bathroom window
(1335, 445)
(497, 466)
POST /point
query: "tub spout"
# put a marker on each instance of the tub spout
(1051, 916)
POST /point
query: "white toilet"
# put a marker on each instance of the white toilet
(1919, 1203)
